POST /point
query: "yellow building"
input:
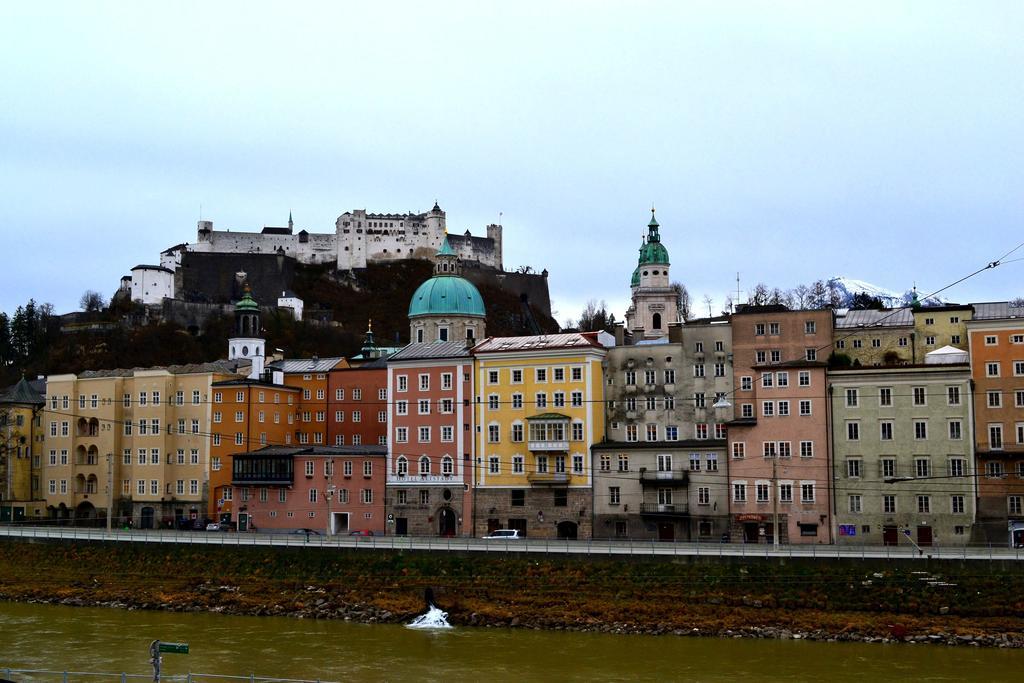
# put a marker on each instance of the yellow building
(875, 337)
(539, 409)
(938, 326)
(20, 446)
(144, 434)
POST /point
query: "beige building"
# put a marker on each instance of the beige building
(133, 441)
(20, 443)
(903, 454)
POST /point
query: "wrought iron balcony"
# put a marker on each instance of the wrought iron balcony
(664, 478)
(665, 509)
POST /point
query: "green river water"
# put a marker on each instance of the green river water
(114, 640)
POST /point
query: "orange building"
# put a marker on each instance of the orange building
(310, 377)
(996, 340)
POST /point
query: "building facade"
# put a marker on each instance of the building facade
(655, 303)
(996, 340)
(539, 408)
(903, 455)
(21, 448)
(330, 490)
(357, 407)
(430, 443)
(938, 326)
(876, 337)
(779, 470)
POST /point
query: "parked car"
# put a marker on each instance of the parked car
(361, 532)
(217, 526)
(308, 532)
(505, 534)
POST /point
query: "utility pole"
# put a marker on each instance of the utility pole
(110, 490)
(775, 503)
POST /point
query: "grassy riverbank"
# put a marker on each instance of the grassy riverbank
(940, 601)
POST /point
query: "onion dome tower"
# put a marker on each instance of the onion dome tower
(654, 304)
(447, 307)
(247, 344)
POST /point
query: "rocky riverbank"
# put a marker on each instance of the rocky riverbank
(949, 604)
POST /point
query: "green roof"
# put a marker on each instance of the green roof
(446, 249)
(247, 303)
(23, 393)
(447, 294)
(652, 251)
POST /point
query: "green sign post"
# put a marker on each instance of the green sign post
(177, 648)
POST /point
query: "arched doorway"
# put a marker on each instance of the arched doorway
(446, 518)
(656, 321)
(146, 518)
(85, 514)
(567, 530)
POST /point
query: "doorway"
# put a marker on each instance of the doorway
(666, 531)
(890, 535)
(339, 522)
(751, 532)
(567, 530)
(243, 521)
(146, 518)
(446, 522)
(401, 526)
(924, 536)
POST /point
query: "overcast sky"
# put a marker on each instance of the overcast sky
(788, 142)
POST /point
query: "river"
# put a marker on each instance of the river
(103, 639)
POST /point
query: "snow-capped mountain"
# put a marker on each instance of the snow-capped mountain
(846, 288)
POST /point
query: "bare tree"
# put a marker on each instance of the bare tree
(801, 296)
(683, 303)
(759, 296)
(92, 302)
(707, 302)
(595, 317)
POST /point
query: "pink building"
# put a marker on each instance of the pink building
(778, 440)
(332, 490)
(430, 442)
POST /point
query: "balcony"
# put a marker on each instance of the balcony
(664, 478)
(548, 478)
(548, 432)
(665, 509)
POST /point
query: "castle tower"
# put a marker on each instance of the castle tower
(247, 344)
(205, 232)
(447, 307)
(654, 305)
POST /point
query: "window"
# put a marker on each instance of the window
(886, 431)
(423, 435)
(494, 464)
(991, 369)
(623, 463)
(990, 340)
(631, 433)
(739, 450)
(558, 400)
(811, 354)
(739, 492)
(806, 492)
(424, 385)
(957, 467)
(447, 433)
(804, 378)
(666, 465)
(924, 504)
(851, 398)
(701, 430)
(768, 448)
(493, 433)
(719, 369)
(810, 327)
(760, 357)
(577, 432)
(995, 436)
(492, 402)
(747, 410)
(518, 464)
(853, 468)
(759, 329)
(698, 369)
(852, 431)
(761, 489)
(855, 503)
(403, 383)
(929, 340)
(670, 376)
(712, 462)
(517, 433)
(785, 492)
(920, 429)
(920, 396)
(994, 399)
(541, 400)
(994, 469)
(922, 468)
(885, 396)
(746, 383)
(889, 504)
(699, 400)
(953, 396)
(782, 379)
(768, 408)
(956, 505)
(1013, 505)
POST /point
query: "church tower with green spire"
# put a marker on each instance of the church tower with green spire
(654, 303)
(447, 307)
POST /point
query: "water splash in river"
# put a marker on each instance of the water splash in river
(435, 617)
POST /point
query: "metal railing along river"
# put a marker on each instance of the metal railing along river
(48, 676)
(521, 545)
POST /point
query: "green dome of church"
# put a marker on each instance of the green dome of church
(247, 303)
(635, 281)
(447, 293)
(653, 251)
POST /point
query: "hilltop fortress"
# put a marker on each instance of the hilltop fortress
(359, 238)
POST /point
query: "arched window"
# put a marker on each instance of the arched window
(424, 465)
(447, 465)
(402, 466)
(419, 336)
(656, 321)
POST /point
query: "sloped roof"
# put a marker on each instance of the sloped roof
(424, 350)
(543, 342)
(897, 317)
(994, 310)
(297, 365)
(22, 392)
